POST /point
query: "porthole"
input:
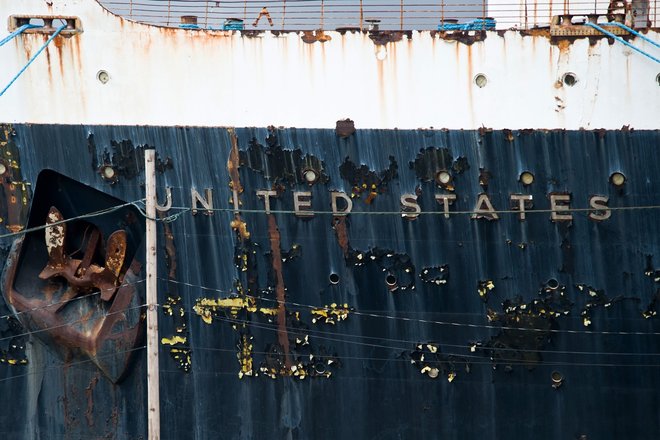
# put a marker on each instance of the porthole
(570, 79)
(617, 179)
(103, 76)
(310, 176)
(480, 80)
(526, 178)
(443, 178)
(557, 379)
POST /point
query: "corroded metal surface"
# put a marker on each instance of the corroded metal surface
(500, 297)
(380, 79)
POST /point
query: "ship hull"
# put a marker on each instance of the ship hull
(412, 306)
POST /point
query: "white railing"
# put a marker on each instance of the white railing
(366, 14)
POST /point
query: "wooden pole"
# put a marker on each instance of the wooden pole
(153, 392)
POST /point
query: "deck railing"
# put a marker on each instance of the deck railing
(369, 14)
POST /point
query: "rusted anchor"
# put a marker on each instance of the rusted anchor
(82, 274)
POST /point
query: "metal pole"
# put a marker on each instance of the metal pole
(153, 392)
(442, 13)
(361, 15)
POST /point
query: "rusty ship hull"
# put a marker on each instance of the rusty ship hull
(411, 326)
(327, 268)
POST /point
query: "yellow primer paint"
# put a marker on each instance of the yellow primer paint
(173, 340)
(330, 314)
(485, 288)
(245, 356)
(240, 227)
(206, 307)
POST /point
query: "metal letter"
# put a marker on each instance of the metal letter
(555, 200)
(302, 199)
(409, 201)
(334, 195)
(266, 194)
(206, 203)
(168, 203)
(445, 200)
(600, 204)
(521, 198)
(484, 208)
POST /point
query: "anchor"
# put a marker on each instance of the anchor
(82, 273)
(105, 324)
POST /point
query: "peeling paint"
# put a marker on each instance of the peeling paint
(331, 314)
(366, 181)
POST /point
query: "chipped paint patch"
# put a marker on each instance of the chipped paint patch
(173, 340)
(331, 314)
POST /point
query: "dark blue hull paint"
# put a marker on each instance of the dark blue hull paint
(376, 389)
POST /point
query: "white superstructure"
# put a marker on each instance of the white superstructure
(120, 72)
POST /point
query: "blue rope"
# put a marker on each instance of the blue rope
(634, 32)
(474, 25)
(611, 35)
(41, 49)
(17, 32)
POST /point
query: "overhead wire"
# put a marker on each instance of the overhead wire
(564, 210)
(453, 355)
(429, 321)
(68, 323)
(67, 220)
(335, 336)
(68, 301)
(71, 364)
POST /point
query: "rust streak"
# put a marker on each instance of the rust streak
(170, 249)
(282, 335)
(341, 230)
(89, 393)
(60, 54)
(233, 163)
